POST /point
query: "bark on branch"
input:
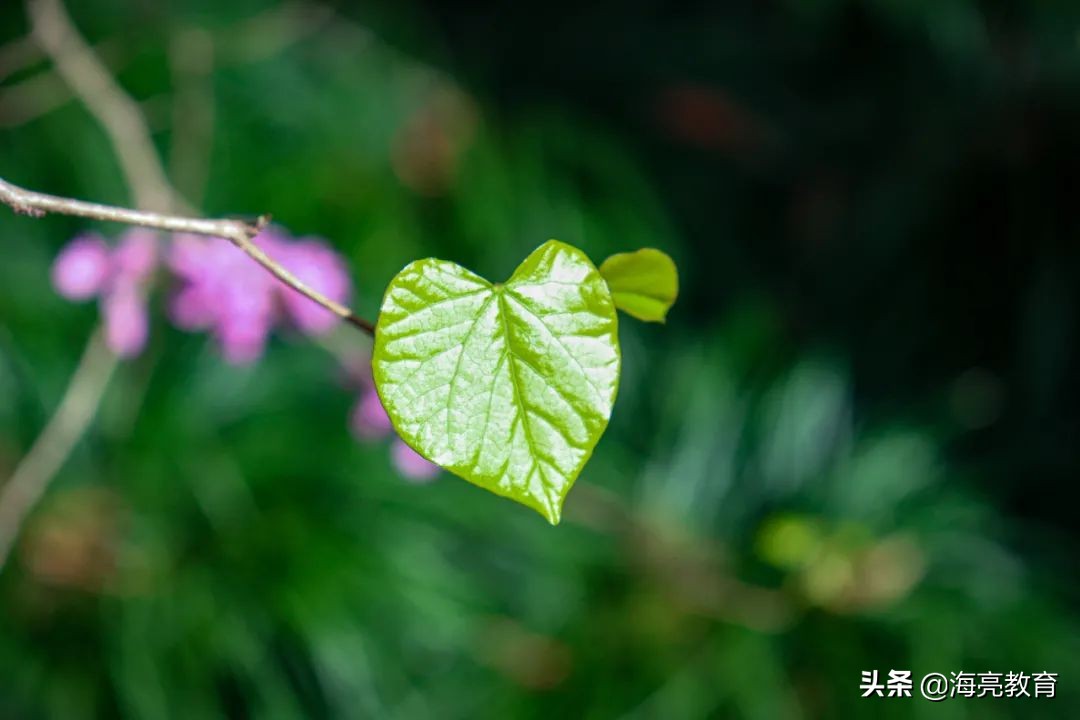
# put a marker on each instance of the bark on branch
(238, 232)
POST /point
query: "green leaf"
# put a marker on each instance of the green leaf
(643, 284)
(509, 386)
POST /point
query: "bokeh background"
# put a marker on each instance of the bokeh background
(854, 445)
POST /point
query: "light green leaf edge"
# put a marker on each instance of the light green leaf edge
(509, 386)
(644, 283)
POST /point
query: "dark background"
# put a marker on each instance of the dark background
(900, 180)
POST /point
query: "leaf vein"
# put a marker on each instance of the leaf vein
(562, 346)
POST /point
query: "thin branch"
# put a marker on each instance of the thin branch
(191, 60)
(44, 91)
(31, 98)
(248, 41)
(120, 117)
(114, 109)
(241, 234)
(56, 441)
(18, 54)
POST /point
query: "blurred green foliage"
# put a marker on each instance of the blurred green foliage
(823, 463)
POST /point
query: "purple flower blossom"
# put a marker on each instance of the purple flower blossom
(126, 323)
(320, 268)
(87, 267)
(136, 255)
(82, 267)
(368, 419)
(411, 464)
(226, 292)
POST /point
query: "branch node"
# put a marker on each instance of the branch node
(29, 210)
(240, 232)
(262, 222)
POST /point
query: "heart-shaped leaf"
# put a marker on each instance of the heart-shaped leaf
(507, 385)
(643, 284)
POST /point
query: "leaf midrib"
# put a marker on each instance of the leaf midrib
(457, 365)
(519, 395)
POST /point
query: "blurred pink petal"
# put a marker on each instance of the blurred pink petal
(411, 464)
(126, 324)
(245, 316)
(355, 371)
(82, 267)
(241, 346)
(368, 419)
(186, 255)
(321, 269)
(243, 337)
(136, 255)
(224, 291)
(188, 309)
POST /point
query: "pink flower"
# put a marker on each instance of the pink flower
(82, 267)
(87, 267)
(411, 464)
(224, 292)
(136, 255)
(321, 269)
(126, 323)
(229, 294)
(368, 419)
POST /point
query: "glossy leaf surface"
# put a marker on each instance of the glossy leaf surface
(509, 386)
(644, 284)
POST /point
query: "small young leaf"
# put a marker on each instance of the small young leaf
(509, 386)
(643, 284)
